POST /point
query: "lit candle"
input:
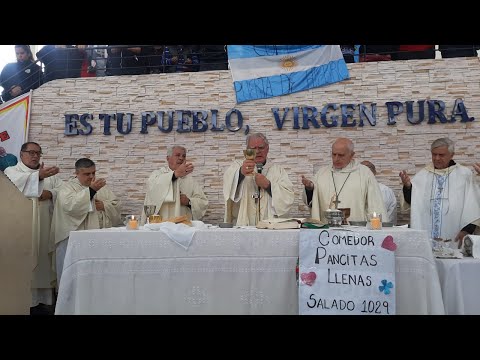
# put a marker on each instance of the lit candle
(375, 222)
(133, 223)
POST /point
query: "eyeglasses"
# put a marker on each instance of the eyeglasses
(33, 152)
(258, 148)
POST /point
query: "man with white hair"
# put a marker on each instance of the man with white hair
(255, 190)
(442, 197)
(173, 190)
(344, 184)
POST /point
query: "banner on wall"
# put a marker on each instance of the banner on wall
(14, 123)
(264, 71)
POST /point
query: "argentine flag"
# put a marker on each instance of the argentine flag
(264, 71)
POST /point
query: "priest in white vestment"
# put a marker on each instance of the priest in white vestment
(344, 184)
(39, 183)
(173, 190)
(75, 208)
(253, 182)
(388, 195)
(108, 208)
(443, 197)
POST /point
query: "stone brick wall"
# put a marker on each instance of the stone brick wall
(127, 160)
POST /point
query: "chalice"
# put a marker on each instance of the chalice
(346, 215)
(149, 210)
(250, 154)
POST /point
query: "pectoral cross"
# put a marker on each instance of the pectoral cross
(256, 196)
(334, 201)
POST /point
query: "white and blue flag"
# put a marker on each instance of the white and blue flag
(264, 71)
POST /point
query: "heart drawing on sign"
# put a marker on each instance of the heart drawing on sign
(389, 244)
(308, 278)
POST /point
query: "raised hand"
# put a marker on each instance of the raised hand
(405, 179)
(44, 172)
(97, 184)
(309, 185)
(476, 166)
(184, 169)
(248, 167)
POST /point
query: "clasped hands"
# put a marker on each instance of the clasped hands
(248, 169)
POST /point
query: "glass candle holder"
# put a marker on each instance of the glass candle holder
(131, 221)
(374, 221)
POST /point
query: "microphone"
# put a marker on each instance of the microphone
(259, 167)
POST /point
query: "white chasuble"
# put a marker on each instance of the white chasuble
(354, 185)
(240, 206)
(110, 217)
(443, 201)
(164, 193)
(73, 211)
(27, 181)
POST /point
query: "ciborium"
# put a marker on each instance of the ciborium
(346, 215)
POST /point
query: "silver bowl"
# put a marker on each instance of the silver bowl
(334, 217)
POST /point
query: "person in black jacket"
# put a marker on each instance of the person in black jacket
(20, 77)
(213, 57)
(451, 51)
(348, 52)
(61, 61)
(127, 60)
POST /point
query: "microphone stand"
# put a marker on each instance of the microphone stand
(257, 195)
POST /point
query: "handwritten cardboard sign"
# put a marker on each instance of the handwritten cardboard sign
(346, 272)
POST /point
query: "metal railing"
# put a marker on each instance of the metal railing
(108, 60)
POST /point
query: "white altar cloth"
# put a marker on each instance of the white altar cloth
(224, 271)
(460, 285)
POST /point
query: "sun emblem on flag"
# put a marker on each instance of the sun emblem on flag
(288, 62)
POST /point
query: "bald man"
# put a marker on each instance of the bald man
(344, 184)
